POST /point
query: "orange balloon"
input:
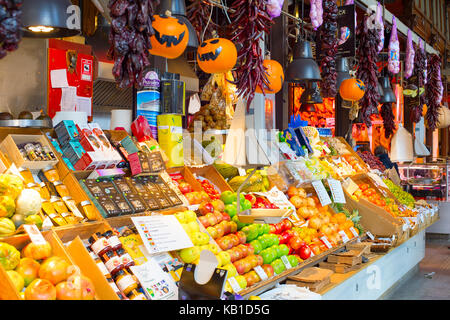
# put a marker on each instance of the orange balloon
(352, 89)
(171, 37)
(218, 55)
(275, 77)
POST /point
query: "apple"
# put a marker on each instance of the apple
(224, 243)
(193, 226)
(233, 226)
(212, 232)
(260, 260)
(240, 266)
(251, 198)
(242, 237)
(218, 205)
(231, 210)
(40, 289)
(204, 196)
(220, 230)
(16, 279)
(268, 269)
(272, 228)
(286, 224)
(234, 239)
(234, 254)
(54, 269)
(278, 266)
(219, 216)
(205, 208)
(212, 219)
(181, 217)
(296, 243)
(246, 205)
(186, 228)
(199, 238)
(185, 187)
(293, 261)
(283, 250)
(253, 260)
(204, 221)
(214, 248)
(267, 256)
(232, 272)
(37, 251)
(304, 252)
(224, 258)
(189, 255)
(242, 250)
(29, 269)
(75, 288)
(225, 217)
(190, 215)
(257, 246)
(190, 197)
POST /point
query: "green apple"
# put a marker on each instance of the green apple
(227, 197)
(246, 205)
(266, 228)
(181, 217)
(241, 196)
(240, 225)
(274, 239)
(256, 244)
(293, 261)
(278, 266)
(189, 255)
(231, 210)
(224, 258)
(190, 216)
(283, 250)
(268, 255)
(199, 238)
(193, 226)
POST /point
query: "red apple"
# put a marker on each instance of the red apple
(268, 269)
(260, 260)
(234, 254)
(226, 227)
(272, 228)
(204, 221)
(296, 243)
(250, 249)
(304, 252)
(251, 198)
(220, 230)
(218, 205)
(287, 224)
(225, 217)
(224, 243)
(219, 216)
(234, 239)
(242, 237)
(233, 226)
(205, 208)
(185, 187)
(212, 219)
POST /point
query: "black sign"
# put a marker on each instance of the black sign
(347, 30)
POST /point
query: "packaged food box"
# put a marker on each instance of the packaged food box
(170, 138)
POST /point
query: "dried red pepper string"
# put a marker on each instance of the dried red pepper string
(432, 91)
(198, 13)
(388, 119)
(419, 75)
(130, 39)
(249, 21)
(368, 71)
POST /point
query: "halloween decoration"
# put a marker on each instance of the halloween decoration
(433, 91)
(329, 44)
(216, 55)
(11, 35)
(352, 90)
(418, 78)
(171, 37)
(275, 77)
(250, 21)
(131, 29)
(367, 70)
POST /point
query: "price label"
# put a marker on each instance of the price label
(350, 186)
(326, 149)
(344, 236)
(234, 284)
(352, 230)
(407, 222)
(370, 235)
(193, 207)
(47, 224)
(242, 172)
(336, 190)
(322, 193)
(261, 273)
(286, 262)
(312, 254)
(326, 242)
(34, 234)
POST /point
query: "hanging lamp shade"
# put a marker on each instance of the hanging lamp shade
(388, 95)
(48, 19)
(303, 68)
(342, 70)
(310, 97)
(178, 9)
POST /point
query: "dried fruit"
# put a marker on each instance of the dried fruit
(434, 90)
(388, 119)
(10, 33)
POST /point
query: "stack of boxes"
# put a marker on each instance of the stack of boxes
(68, 137)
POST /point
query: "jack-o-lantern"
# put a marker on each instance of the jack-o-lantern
(216, 55)
(352, 89)
(171, 37)
(275, 77)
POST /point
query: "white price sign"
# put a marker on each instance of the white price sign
(350, 186)
(326, 242)
(34, 234)
(234, 284)
(322, 193)
(286, 262)
(336, 190)
(352, 230)
(261, 273)
(344, 236)
(370, 235)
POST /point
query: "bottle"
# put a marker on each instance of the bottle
(100, 264)
(136, 295)
(99, 244)
(112, 262)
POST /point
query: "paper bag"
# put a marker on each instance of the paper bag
(393, 175)
(402, 146)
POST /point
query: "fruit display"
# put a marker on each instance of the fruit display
(402, 196)
(373, 196)
(372, 161)
(226, 171)
(209, 188)
(37, 274)
(336, 146)
(257, 182)
(344, 166)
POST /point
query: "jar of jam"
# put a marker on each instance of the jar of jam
(136, 295)
(49, 152)
(45, 194)
(26, 175)
(88, 210)
(100, 264)
(62, 189)
(113, 240)
(125, 282)
(39, 152)
(125, 258)
(112, 262)
(99, 244)
(116, 289)
(34, 186)
(31, 153)
(51, 173)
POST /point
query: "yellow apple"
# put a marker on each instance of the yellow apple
(224, 258)
(193, 226)
(181, 217)
(190, 216)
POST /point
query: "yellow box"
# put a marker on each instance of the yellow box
(170, 138)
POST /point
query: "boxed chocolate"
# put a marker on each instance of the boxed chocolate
(94, 188)
(151, 202)
(156, 161)
(122, 186)
(109, 206)
(136, 202)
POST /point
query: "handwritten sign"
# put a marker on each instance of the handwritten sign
(336, 190)
(322, 193)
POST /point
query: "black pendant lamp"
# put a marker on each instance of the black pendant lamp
(343, 71)
(310, 97)
(178, 9)
(388, 95)
(48, 19)
(303, 68)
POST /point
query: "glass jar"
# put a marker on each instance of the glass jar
(99, 244)
(136, 295)
(51, 173)
(31, 153)
(113, 240)
(88, 210)
(48, 151)
(125, 282)
(26, 175)
(58, 204)
(100, 264)
(112, 262)
(39, 152)
(62, 189)
(126, 259)
(45, 194)
(116, 289)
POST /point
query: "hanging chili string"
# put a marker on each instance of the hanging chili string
(388, 119)
(433, 91)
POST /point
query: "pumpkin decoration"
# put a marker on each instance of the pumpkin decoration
(275, 77)
(171, 36)
(352, 89)
(217, 55)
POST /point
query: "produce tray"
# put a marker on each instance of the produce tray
(188, 177)
(211, 173)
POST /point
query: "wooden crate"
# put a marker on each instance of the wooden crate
(188, 177)
(211, 173)
(339, 268)
(20, 241)
(9, 146)
(354, 260)
(312, 286)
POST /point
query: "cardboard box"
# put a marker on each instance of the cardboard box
(170, 138)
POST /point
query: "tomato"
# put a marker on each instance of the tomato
(364, 186)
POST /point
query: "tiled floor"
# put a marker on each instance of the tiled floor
(419, 287)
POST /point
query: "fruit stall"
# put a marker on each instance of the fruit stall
(69, 232)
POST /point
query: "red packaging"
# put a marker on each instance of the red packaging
(141, 129)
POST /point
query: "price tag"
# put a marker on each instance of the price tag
(326, 242)
(336, 190)
(344, 236)
(242, 172)
(34, 234)
(326, 149)
(352, 230)
(312, 254)
(234, 284)
(47, 224)
(370, 235)
(286, 262)
(321, 193)
(261, 273)
(407, 222)
(350, 186)
(193, 207)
